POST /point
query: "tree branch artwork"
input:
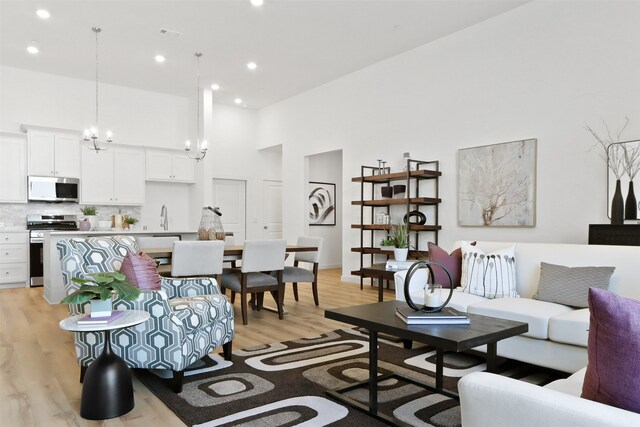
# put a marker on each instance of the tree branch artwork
(497, 185)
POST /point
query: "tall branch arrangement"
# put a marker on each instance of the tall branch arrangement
(614, 154)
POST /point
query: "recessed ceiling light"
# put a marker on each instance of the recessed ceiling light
(32, 49)
(238, 101)
(257, 3)
(159, 58)
(43, 14)
(215, 86)
(252, 65)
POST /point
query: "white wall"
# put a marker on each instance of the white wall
(543, 70)
(327, 167)
(136, 117)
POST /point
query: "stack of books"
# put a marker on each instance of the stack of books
(447, 316)
(103, 320)
(394, 265)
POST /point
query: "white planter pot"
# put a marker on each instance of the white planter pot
(100, 308)
(93, 220)
(400, 254)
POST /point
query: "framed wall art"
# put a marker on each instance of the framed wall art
(322, 203)
(497, 185)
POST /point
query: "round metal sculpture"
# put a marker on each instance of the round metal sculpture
(420, 218)
(428, 265)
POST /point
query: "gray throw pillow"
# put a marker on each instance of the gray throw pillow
(570, 285)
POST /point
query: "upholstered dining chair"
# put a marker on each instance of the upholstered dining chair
(192, 258)
(189, 318)
(259, 258)
(298, 274)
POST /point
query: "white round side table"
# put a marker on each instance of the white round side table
(107, 390)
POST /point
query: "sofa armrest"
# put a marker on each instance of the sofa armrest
(489, 400)
(416, 287)
(189, 287)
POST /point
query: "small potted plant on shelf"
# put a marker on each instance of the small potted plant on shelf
(399, 235)
(130, 222)
(90, 213)
(387, 243)
(98, 292)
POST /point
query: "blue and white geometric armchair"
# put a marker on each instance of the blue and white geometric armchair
(189, 318)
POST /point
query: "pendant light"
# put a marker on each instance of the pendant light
(200, 150)
(91, 135)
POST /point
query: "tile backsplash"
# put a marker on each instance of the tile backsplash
(15, 215)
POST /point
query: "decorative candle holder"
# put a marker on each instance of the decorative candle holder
(443, 301)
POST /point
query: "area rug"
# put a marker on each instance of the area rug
(284, 384)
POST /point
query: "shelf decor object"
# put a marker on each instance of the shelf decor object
(198, 152)
(497, 185)
(421, 194)
(429, 287)
(628, 153)
(91, 135)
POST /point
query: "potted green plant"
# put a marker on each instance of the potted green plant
(399, 235)
(98, 291)
(387, 243)
(90, 213)
(130, 222)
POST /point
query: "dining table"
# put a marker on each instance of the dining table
(235, 250)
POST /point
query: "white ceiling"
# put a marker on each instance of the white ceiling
(297, 44)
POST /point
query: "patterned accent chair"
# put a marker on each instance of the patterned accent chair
(189, 317)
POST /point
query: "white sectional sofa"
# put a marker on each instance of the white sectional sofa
(490, 400)
(557, 336)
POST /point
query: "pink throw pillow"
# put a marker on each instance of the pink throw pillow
(613, 371)
(141, 271)
(451, 261)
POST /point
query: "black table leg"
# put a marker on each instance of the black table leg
(107, 391)
(492, 355)
(439, 369)
(380, 286)
(373, 372)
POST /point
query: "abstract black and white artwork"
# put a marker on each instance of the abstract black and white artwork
(322, 203)
(497, 185)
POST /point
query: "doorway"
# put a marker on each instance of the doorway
(272, 201)
(230, 196)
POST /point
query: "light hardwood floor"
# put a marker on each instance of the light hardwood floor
(39, 374)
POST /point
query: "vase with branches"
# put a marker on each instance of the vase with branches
(614, 155)
(631, 152)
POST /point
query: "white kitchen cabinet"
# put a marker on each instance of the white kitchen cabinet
(53, 152)
(13, 168)
(170, 166)
(14, 259)
(113, 177)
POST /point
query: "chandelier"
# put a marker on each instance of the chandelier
(91, 135)
(200, 150)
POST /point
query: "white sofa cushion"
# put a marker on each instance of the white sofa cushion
(461, 300)
(571, 385)
(490, 275)
(570, 328)
(535, 313)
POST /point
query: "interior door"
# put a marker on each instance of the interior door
(230, 196)
(272, 201)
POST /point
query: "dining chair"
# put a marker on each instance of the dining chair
(298, 274)
(259, 258)
(229, 240)
(193, 258)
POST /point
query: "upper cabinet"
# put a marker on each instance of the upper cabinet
(13, 167)
(53, 152)
(171, 166)
(113, 177)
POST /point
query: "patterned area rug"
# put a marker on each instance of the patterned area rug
(284, 384)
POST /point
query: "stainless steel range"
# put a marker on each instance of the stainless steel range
(37, 224)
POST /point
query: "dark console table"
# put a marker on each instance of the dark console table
(607, 234)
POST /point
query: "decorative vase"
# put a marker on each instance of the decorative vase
(387, 192)
(101, 308)
(84, 225)
(617, 206)
(210, 227)
(93, 220)
(400, 254)
(630, 204)
(399, 190)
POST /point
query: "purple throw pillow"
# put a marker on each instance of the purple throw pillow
(451, 261)
(613, 372)
(141, 271)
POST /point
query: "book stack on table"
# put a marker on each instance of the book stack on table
(447, 316)
(102, 320)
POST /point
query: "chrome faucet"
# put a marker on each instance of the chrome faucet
(164, 218)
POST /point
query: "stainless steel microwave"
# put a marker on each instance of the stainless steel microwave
(53, 189)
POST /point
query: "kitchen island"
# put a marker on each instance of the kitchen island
(53, 285)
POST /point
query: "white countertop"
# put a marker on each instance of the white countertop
(117, 232)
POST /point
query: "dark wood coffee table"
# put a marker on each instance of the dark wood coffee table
(381, 318)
